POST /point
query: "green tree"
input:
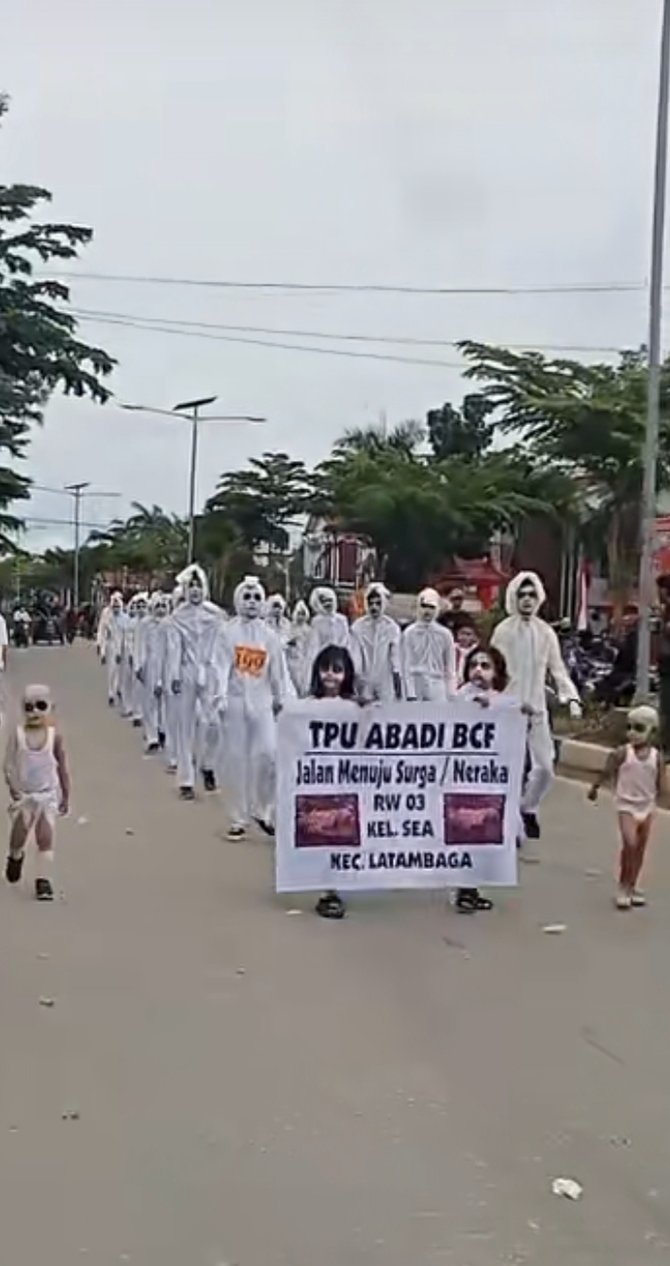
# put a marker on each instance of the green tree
(263, 502)
(464, 432)
(39, 350)
(148, 540)
(587, 422)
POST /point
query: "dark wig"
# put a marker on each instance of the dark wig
(500, 676)
(336, 657)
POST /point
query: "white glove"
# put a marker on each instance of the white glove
(575, 710)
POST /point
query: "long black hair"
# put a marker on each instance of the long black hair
(500, 676)
(336, 657)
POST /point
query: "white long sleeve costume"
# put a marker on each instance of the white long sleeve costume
(102, 629)
(149, 665)
(428, 653)
(169, 652)
(112, 647)
(257, 686)
(275, 615)
(137, 651)
(297, 647)
(375, 641)
(328, 627)
(127, 650)
(193, 639)
(531, 650)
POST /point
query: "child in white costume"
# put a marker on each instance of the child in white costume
(375, 639)
(37, 776)
(149, 669)
(255, 685)
(531, 650)
(275, 614)
(429, 654)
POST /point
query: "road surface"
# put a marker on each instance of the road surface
(225, 1078)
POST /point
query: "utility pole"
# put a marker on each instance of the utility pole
(76, 491)
(645, 585)
(193, 408)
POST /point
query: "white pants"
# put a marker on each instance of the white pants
(151, 707)
(127, 679)
(188, 733)
(113, 677)
(250, 741)
(541, 752)
(170, 725)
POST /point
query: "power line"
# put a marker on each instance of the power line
(36, 519)
(157, 323)
(258, 342)
(585, 287)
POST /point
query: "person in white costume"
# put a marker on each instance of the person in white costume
(375, 641)
(101, 631)
(255, 680)
(328, 627)
(149, 669)
(127, 648)
(169, 648)
(428, 653)
(531, 650)
(137, 643)
(112, 647)
(195, 630)
(275, 615)
(296, 647)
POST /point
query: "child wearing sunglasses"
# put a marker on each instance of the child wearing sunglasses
(637, 772)
(37, 776)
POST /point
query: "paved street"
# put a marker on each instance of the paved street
(253, 1086)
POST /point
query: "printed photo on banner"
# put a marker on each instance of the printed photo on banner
(398, 795)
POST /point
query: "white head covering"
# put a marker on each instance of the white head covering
(512, 592)
(300, 610)
(116, 599)
(158, 599)
(377, 587)
(317, 596)
(644, 715)
(428, 597)
(277, 600)
(185, 578)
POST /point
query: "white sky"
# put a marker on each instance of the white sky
(427, 142)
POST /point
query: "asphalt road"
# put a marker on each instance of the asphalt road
(225, 1078)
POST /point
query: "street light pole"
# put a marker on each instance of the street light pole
(648, 515)
(76, 491)
(193, 407)
(190, 411)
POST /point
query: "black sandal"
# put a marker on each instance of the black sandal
(470, 900)
(330, 906)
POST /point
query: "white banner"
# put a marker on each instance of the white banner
(403, 795)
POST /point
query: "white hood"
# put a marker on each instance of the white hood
(512, 592)
(378, 587)
(188, 573)
(316, 599)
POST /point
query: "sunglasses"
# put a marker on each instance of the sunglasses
(40, 705)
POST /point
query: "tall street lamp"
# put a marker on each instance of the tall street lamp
(645, 586)
(189, 410)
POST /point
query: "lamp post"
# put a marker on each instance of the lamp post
(648, 515)
(189, 410)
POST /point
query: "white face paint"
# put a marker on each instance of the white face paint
(251, 601)
(195, 592)
(117, 605)
(327, 604)
(161, 608)
(141, 608)
(528, 599)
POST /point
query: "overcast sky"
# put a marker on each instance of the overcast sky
(422, 142)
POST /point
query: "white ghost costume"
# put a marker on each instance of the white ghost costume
(258, 685)
(376, 645)
(428, 653)
(531, 650)
(127, 650)
(149, 666)
(103, 626)
(275, 615)
(140, 626)
(169, 651)
(112, 649)
(328, 628)
(297, 647)
(193, 636)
